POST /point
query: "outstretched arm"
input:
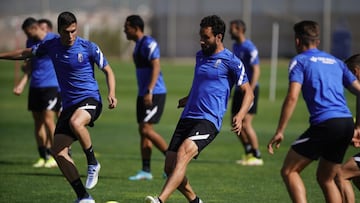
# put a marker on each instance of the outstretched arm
(286, 113)
(110, 80)
(245, 106)
(19, 54)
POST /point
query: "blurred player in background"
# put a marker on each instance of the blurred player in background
(217, 70)
(44, 98)
(45, 25)
(350, 171)
(246, 51)
(321, 78)
(151, 92)
(73, 59)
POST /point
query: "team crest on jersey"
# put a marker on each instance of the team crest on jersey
(217, 63)
(80, 57)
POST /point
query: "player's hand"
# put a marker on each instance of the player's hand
(112, 101)
(356, 137)
(276, 140)
(182, 102)
(237, 124)
(18, 90)
(148, 100)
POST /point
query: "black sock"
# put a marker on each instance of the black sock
(256, 153)
(48, 153)
(146, 165)
(248, 148)
(196, 200)
(42, 152)
(79, 189)
(160, 200)
(90, 156)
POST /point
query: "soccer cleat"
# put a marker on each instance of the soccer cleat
(93, 175)
(253, 161)
(50, 163)
(242, 161)
(40, 163)
(150, 199)
(85, 200)
(142, 175)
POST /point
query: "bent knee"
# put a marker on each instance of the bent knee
(145, 129)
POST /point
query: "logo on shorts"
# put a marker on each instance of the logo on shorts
(80, 57)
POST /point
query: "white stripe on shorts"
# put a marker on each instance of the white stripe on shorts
(301, 141)
(199, 137)
(52, 103)
(88, 107)
(150, 114)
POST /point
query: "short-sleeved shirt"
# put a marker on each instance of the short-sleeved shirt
(214, 77)
(323, 78)
(74, 67)
(248, 54)
(146, 50)
(43, 73)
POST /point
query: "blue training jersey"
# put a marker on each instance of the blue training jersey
(213, 79)
(323, 78)
(43, 73)
(74, 68)
(146, 50)
(248, 54)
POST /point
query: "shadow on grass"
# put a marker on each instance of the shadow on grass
(13, 163)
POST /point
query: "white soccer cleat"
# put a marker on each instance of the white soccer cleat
(150, 199)
(93, 175)
(85, 200)
(142, 175)
(39, 163)
(50, 163)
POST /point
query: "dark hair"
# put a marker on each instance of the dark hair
(65, 19)
(216, 23)
(28, 22)
(353, 61)
(136, 21)
(307, 31)
(46, 21)
(239, 23)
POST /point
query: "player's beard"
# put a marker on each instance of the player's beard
(209, 49)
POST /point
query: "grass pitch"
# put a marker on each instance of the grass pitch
(214, 176)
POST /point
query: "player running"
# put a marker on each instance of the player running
(321, 78)
(151, 92)
(246, 51)
(44, 98)
(73, 59)
(350, 171)
(217, 70)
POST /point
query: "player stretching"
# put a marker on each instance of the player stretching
(246, 51)
(217, 70)
(321, 79)
(151, 92)
(44, 99)
(73, 59)
(351, 169)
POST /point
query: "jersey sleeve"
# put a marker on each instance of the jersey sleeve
(152, 50)
(254, 56)
(348, 76)
(238, 71)
(39, 49)
(296, 73)
(97, 56)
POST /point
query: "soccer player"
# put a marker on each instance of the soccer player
(217, 70)
(44, 99)
(45, 24)
(321, 78)
(246, 51)
(73, 59)
(151, 92)
(350, 171)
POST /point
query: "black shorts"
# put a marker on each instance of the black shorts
(201, 131)
(357, 159)
(150, 114)
(238, 99)
(41, 99)
(91, 105)
(329, 140)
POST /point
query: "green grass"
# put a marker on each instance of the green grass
(214, 176)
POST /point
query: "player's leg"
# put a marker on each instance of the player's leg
(49, 117)
(326, 174)
(293, 165)
(349, 171)
(187, 151)
(255, 159)
(40, 137)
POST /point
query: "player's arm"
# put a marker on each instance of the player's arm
(110, 81)
(26, 68)
(182, 102)
(155, 67)
(245, 106)
(287, 110)
(355, 89)
(19, 54)
(255, 76)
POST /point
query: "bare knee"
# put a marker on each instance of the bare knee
(145, 129)
(76, 123)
